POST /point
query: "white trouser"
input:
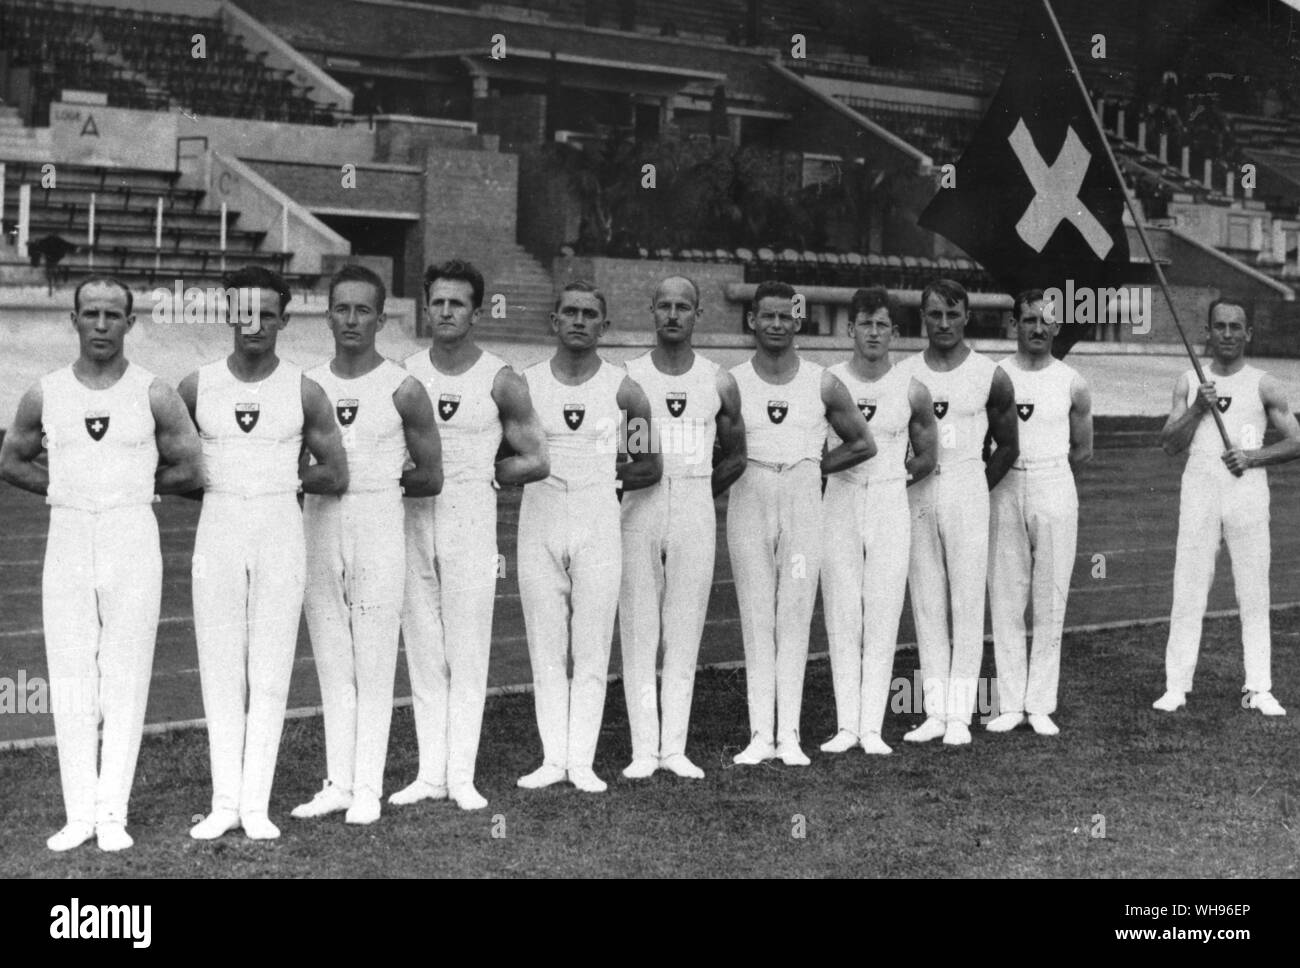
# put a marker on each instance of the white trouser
(949, 564)
(248, 573)
(356, 572)
(100, 594)
(1033, 530)
(570, 559)
(1213, 506)
(451, 572)
(865, 528)
(668, 550)
(774, 525)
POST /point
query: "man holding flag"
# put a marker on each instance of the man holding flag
(1225, 493)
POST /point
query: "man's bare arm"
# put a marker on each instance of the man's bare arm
(1001, 410)
(1281, 419)
(321, 439)
(646, 466)
(180, 456)
(189, 394)
(422, 441)
(1183, 420)
(22, 446)
(856, 442)
(923, 431)
(731, 445)
(521, 428)
(1080, 422)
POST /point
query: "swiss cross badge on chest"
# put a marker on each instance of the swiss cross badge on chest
(97, 424)
(246, 415)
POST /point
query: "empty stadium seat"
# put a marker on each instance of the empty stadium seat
(141, 59)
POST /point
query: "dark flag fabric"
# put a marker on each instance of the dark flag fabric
(1036, 199)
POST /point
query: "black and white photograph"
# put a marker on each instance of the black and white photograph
(559, 439)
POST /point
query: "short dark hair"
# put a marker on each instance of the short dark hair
(455, 270)
(1024, 299)
(106, 281)
(258, 277)
(772, 288)
(869, 300)
(1226, 301)
(352, 272)
(579, 285)
(949, 290)
(694, 287)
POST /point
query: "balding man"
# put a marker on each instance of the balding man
(669, 529)
(116, 435)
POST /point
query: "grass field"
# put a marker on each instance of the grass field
(1210, 791)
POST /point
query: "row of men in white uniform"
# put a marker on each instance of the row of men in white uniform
(369, 432)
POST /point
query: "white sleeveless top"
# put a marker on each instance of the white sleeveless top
(581, 423)
(1241, 407)
(469, 423)
(888, 410)
(784, 423)
(1042, 410)
(103, 448)
(251, 432)
(960, 397)
(685, 413)
(374, 436)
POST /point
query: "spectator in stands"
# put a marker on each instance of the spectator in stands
(49, 251)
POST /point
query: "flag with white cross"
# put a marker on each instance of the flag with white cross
(1036, 200)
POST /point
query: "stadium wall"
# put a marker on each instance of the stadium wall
(244, 138)
(469, 207)
(402, 140)
(98, 135)
(379, 188)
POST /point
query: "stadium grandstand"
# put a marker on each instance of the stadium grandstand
(167, 141)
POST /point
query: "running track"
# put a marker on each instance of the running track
(1128, 513)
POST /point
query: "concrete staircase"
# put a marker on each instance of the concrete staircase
(19, 142)
(529, 292)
